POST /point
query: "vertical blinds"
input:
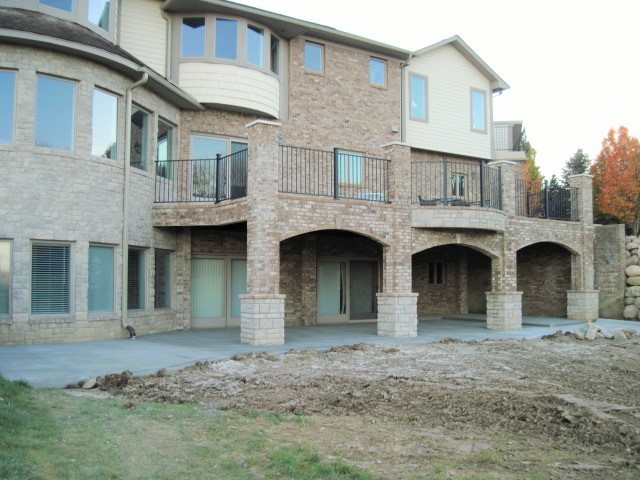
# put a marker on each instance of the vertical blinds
(136, 281)
(162, 280)
(101, 279)
(50, 278)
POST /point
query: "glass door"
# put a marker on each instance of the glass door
(204, 151)
(238, 287)
(332, 292)
(208, 309)
(363, 286)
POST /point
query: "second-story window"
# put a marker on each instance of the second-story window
(164, 166)
(7, 105)
(314, 57)
(378, 72)
(105, 125)
(193, 37)
(139, 147)
(226, 39)
(99, 13)
(66, 5)
(478, 111)
(419, 110)
(255, 46)
(55, 113)
(275, 55)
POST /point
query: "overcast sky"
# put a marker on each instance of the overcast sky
(573, 66)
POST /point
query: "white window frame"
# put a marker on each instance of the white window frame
(424, 119)
(373, 60)
(113, 286)
(74, 127)
(458, 184)
(70, 270)
(171, 140)
(475, 91)
(93, 113)
(145, 151)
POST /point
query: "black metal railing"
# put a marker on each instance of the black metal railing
(536, 199)
(447, 183)
(202, 180)
(338, 174)
(508, 137)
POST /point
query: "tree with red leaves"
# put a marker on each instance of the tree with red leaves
(616, 178)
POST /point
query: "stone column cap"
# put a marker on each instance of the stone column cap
(392, 144)
(502, 162)
(579, 175)
(263, 122)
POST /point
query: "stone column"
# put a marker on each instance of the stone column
(309, 281)
(583, 300)
(397, 306)
(183, 278)
(262, 308)
(504, 302)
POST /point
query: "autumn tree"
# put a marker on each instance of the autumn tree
(617, 178)
(578, 163)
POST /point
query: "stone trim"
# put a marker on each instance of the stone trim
(393, 144)
(583, 305)
(263, 122)
(398, 315)
(262, 319)
(504, 311)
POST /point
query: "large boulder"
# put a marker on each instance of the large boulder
(633, 260)
(632, 271)
(633, 246)
(633, 281)
(632, 292)
(630, 312)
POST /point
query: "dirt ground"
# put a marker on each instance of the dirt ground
(553, 408)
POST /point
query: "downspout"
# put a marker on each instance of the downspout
(403, 130)
(125, 204)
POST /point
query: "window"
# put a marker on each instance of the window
(436, 273)
(136, 280)
(419, 110)
(255, 46)
(101, 279)
(99, 13)
(275, 55)
(350, 168)
(139, 138)
(5, 277)
(7, 105)
(162, 282)
(164, 165)
(458, 184)
(314, 57)
(193, 35)
(478, 111)
(55, 113)
(105, 125)
(226, 39)
(378, 72)
(66, 5)
(50, 279)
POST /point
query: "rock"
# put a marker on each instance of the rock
(632, 292)
(632, 271)
(633, 246)
(599, 335)
(633, 281)
(618, 334)
(605, 333)
(633, 260)
(582, 331)
(636, 302)
(592, 331)
(630, 312)
(630, 239)
(89, 384)
(629, 300)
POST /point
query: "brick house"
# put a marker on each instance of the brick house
(190, 164)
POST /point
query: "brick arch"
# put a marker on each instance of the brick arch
(572, 250)
(470, 245)
(303, 231)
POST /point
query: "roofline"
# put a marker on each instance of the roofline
(301, 27)
(159, 84)
(497, 83)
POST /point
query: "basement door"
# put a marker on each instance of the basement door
(216, 286)
(347, 291)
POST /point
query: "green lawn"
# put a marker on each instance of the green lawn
(48, 434)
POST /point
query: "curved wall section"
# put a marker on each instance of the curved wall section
(234, 87)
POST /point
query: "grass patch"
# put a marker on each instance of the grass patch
(50, 434)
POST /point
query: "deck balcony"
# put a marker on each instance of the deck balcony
(508, 141)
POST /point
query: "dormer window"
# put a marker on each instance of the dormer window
(66, 5)
(226, 39)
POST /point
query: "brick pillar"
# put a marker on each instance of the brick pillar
(397, 306)
(262, 308)
(583, 300)
(309, 281)
(183, 279)
(504, 302)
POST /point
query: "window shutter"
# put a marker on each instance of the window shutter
(50, 279)
(101, 279)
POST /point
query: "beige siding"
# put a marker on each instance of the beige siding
(450, 80)
(143, 32)
(231, 85)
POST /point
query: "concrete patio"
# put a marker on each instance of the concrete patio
(60, 364)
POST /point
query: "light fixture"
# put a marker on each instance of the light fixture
(608, 257)
(280, 138)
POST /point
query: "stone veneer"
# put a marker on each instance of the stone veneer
(397, 315)
(504, 310)
(582, 305)
(262, 319)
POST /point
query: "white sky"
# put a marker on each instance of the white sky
(573, 66)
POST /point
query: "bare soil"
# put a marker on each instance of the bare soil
(553, 408)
